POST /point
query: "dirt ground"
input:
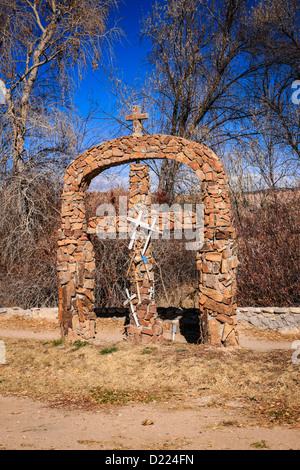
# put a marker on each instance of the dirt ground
(184, 421)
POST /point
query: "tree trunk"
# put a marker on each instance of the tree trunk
(18, 151)
(167, 178)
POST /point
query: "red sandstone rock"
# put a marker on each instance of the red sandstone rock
(75, 248)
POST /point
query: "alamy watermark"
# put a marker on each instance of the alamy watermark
(2, 353)
(296, 353)
(183, 221)
(2, 92)
(296, 94)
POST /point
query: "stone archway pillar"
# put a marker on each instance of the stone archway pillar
(140, 274)
(76, 271)
(217, 262)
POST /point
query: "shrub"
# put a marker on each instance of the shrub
(268, 241)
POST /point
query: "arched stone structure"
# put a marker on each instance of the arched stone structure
(216, 260)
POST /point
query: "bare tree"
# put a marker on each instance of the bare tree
(277, 32)
(273, 149)
(201, 57)
(41, 41)
(44, 45)
(278, 38)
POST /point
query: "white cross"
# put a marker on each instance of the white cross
(129, 300)
(151, 292)
(138, 223)
(151, 229)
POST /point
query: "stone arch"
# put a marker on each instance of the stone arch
(216, 260)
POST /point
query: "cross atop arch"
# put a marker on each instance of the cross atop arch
(137, 116)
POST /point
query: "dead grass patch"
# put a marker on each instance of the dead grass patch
(260, 445)
(81, 376)
(104, 396)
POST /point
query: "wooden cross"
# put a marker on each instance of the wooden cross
(129, 300)
(151, 229)
(151, 292)
(137, 116)
(138, 223)
(145, 263)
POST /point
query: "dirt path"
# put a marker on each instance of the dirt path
(26, 424)
(116, 335)
(28, 334)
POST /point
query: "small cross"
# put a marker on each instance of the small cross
(151, 229)
(137, 116)
(151, 292)
(129, 300)
(138, 223)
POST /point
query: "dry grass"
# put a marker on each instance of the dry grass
(80, 375)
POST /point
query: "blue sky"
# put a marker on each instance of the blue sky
(129, 55)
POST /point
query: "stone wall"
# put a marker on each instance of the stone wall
(216, 260)
(285, 320)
